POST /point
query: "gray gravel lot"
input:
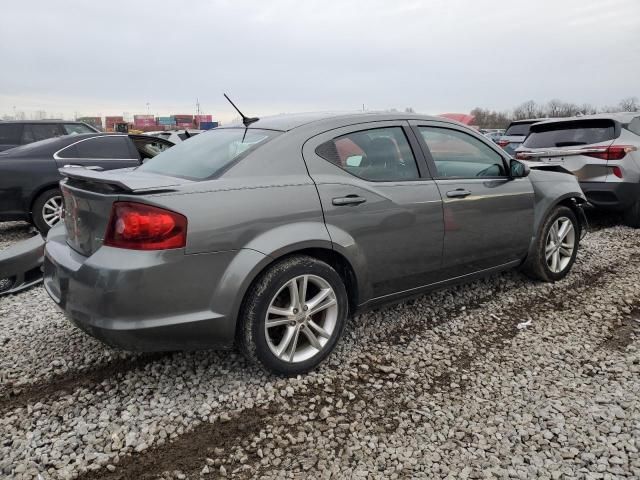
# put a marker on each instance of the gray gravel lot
(444, 386)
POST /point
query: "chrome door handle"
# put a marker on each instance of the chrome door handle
(348, 200)
(459, 193)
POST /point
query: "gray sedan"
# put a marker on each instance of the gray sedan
(269, 236)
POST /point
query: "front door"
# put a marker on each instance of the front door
(379, 204)
(488, 217)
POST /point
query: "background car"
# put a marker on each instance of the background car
(494, 135)
(515, 134)
(271, 233)
(29, 174)
(177, 136)
(601, 150)
(16, 133)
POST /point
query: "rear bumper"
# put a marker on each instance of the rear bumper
(21, 265)
(610, 195)
(143, 300)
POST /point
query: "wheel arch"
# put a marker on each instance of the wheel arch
(322, 251)
(36, 193)
(572, 200)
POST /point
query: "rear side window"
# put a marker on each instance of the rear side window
(634, 126)
(568, 134)
(71, 128)
(10, 133)
(42, 131)
(518, 129)
(205, 156)
(114, 147)
(380, 154)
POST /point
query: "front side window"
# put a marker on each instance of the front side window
(42, 131)
(379, 154)
(204, 156)
(458, 154)
(71, 128)
(114, 147)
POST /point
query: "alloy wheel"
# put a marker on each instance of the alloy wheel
(52, 210)
(561, 242)
(301, 318)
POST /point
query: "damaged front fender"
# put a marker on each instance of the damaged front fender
(21, 265)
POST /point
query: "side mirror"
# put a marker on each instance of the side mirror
(518, 169)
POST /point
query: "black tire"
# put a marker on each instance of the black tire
(252, 337)
(37, 213)
(631, 216)
(536, 265)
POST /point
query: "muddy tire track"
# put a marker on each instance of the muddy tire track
(23, 395)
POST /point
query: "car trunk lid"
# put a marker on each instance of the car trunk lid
(89, 196)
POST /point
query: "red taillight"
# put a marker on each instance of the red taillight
(503, 143)
(523, 155)
(614, 152)
(617, 171)
(138, 226)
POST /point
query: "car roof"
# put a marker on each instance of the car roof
(286, 122)
(528, 120)
(622, 117)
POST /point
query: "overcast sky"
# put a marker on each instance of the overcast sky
(110, 57)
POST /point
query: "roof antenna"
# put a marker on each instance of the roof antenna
(245, 120)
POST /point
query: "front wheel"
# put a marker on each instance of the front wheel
(47, 210)
(556, 246)
(293, 316)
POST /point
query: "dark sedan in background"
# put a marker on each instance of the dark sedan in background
(29, 174)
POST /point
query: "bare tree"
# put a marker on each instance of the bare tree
(629, 104)
(527, 109)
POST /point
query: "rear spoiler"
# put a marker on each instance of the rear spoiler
(126, 180)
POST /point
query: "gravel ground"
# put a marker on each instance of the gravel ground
(11, 232)
(445, 386)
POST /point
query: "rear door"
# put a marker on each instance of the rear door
(488, 217)
(108, 152)
(379, 203)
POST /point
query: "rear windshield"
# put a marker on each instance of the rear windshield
(568, 134)
(204, 156)
(519, 129)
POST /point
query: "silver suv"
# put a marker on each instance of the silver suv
(601, 150)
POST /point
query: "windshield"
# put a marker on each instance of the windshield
(203, 156)
(518, 129)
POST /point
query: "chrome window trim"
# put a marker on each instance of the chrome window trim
(56, 155)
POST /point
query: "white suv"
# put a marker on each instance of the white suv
(601, 150)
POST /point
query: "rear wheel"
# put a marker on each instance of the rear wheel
(47, 210)
(631, 216)
(556, 246)
(293, 316)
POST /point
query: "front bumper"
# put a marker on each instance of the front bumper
(21, 265)
(611, 195)
(142, 300)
